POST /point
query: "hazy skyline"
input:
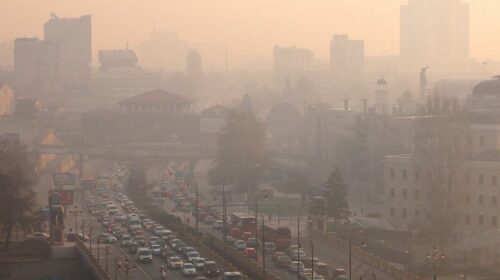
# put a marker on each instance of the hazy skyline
(248, 28)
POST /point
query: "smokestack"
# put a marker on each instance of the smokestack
(365, 106)
(346, 104)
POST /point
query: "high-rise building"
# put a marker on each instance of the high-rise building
(37, 68)
(290, 63)
(347, 57)
(434, 33)
(74, 35)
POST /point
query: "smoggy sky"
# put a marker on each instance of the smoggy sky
(248, 27)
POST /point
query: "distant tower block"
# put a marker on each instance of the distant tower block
(381, 96)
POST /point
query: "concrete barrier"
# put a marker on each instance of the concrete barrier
(91, 262)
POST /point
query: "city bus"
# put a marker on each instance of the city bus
(242, 222)
(279, 234)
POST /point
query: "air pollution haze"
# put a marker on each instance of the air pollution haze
(250, 139)
(248, 29)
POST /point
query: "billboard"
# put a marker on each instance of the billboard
(64, 180)
(65, 196)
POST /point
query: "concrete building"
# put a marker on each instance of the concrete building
(382, 97)
(434, 33)
(406, 196)
(38, 68)
(347, 57)
(110, 59)
(7, 104)
(290, 63)
(74, 36)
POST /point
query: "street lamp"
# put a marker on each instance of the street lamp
(107, 249)
(75, 212)
(435, 258)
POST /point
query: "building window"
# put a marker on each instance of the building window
(480, 220)
(481, 140)
(393, 193)
(405, 194)
(417, 175)
(494, 222)
(467, 178)
(417, 194)
(405, 213)
(467, 199)
(480, 179)
(393, 173)
(494, 200)
(405, 174)
(480, 199)
(469, 140)
(494, 180)
(393, 212)
(467, 219)
(417, 214)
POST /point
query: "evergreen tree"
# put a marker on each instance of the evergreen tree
(337, 206)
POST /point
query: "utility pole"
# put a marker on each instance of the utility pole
(107, 254)
(298, 247)
(312, 254)
(196, 210)
(350, 258)
(224, 218)
(256, 214)
(263, 250)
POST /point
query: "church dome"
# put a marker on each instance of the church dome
(283, 111)
(488, 88)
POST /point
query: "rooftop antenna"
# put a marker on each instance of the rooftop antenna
(53, 15)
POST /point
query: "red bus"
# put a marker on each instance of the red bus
(244, 222)
(280, 235)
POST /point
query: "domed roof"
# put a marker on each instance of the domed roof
(488, 88)
(381, 82)
(283, 111)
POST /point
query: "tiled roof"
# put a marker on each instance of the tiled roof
(156, 96)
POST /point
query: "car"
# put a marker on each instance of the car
(230, 240)
(198, 262)
(209, 220)
(250, 253)
(174, 262)
(322, 268)
(125, 240)
(233, 275)
(218, 224)
(132, 247)
(40, 236)
(191, 255)
(283, 261)
(156, 249)
(269, 247)
(188, 269)
(298, 255)
(211, 269)
(144, 255)
(275, 255)
(106, 238)
(240, 245)
(295, 266)
(252, 242)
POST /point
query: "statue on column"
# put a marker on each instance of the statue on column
(56, 209)
(423, 80)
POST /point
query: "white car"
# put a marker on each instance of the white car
(156, 249)
(143, 255)
(240, 245)
(190, 256)
(188, 269)
(199, 263)
(125, 240)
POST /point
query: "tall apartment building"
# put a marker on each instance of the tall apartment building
(290, 63)
(434, 33)
(37, 68)
(347, 57)
(74, 35)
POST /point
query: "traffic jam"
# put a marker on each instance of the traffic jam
(123, 224)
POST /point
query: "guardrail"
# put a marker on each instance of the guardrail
(96, 268)
(365, 257)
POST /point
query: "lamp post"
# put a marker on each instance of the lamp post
(298, 247)
(196, 209)
(435, 258)
(98, 251)
(224, 217)
(106, 251)
(83, 229)
(75, 212)
(263, 250)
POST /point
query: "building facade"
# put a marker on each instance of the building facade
(434, 33)
(290, 63)
(347, 56)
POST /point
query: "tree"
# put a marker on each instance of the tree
(441, 151)
(337, 206)
(17, 199)
(297, 181)
(241, 155)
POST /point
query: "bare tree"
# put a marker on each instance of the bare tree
(440, 141)
(337, 206)
(17, 199)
